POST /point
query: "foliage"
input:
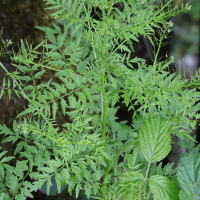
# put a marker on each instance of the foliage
(95, 155)
(188, 171)
(18, 19)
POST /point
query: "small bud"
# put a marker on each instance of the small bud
(172, 58)
(170, 24)
(188, 7)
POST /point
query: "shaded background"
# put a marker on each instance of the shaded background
(18, 18)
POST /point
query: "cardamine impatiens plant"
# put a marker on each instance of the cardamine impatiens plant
(91, 153)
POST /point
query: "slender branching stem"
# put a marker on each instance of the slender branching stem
(145, 184)
(104, 119)
(105, 105)
(156, 56)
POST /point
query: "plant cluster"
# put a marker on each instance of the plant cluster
(95, 155)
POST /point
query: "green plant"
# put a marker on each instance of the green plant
(188, 171)
(94, 154)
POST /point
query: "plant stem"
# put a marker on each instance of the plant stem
(160, 44)
(155, 59)
(105, 104)
(145, 184)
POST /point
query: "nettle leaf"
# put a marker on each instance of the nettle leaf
(155, 138)
(188, 175)
(163, 188)
(184, 196)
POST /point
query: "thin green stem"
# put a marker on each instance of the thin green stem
(155, 59)
(105, 105)
(110, 8)
(145, 184)
(160, 44)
